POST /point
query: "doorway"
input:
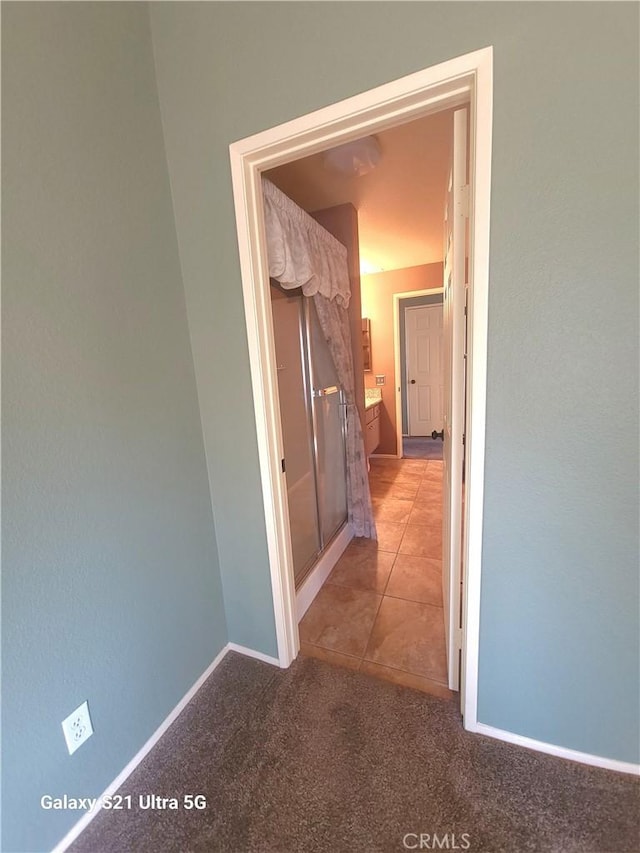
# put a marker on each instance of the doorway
(415, 441)
(467, 79)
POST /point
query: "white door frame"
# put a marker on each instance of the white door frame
(466, 79)
(397, 355)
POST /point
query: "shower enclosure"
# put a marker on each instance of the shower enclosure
(312, 413)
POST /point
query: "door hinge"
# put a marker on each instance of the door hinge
(458, 638)
(464, 439)
(282, 465)
(464, 200)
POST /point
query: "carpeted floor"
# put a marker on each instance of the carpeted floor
(421, 447)
(318, 758)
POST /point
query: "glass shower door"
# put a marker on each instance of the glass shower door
(289, 328)
(312, 415)
(329, 424)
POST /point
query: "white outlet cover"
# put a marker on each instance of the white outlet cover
(77, 727)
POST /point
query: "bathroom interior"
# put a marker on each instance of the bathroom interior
(371, 602)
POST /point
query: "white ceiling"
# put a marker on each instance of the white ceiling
(400, 203)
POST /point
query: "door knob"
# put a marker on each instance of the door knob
(436, 434)
(413, 381)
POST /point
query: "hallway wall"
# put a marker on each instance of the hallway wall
(377, 304)
(559, 617)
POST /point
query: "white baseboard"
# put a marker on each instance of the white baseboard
(559, 751)
(86, 819)
(385, 456)
(251, 653)
(321, 571)
(337, 547)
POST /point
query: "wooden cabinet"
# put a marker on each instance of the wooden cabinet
(372, 429)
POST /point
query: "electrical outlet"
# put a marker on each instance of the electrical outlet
(77, 728)
(380, 379)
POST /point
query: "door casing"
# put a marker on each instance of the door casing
(467, 79)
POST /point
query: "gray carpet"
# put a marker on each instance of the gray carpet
(421, 447)
(319, 758)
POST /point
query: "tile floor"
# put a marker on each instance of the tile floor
(380, 609)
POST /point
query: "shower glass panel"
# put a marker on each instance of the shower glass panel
(312, 415)
(329, 427)
(295, 416)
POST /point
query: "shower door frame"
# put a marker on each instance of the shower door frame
(309, 381)
(468, 80)
(312, 380)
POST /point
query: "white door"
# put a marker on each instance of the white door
(456, 212)
(425, 398)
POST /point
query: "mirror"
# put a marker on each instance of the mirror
(366, 345)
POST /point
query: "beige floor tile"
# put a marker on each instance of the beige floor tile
(400, 634)
(384, 462)
(416, 579)
(377, 463)
(381, 488)
(432, 479)
(416, 465)
(363, 566)
(390, 535)
(419, 540)
(380, 475)
(340, 619)
(392, 509)
(311, 651)
(428, 499)
(407, 679)
(430, 488)
(429, 513)
(433, 474)
(392, 469)
(409, 636)
(403, 491)
(407, 477)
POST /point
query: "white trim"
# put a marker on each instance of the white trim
(321, 571)
(559, 751)
(397, 298)
(478, 728)
(255, 283)
(383, 456)
(124, 774)
(466, 79)
(480, 141)
(251, 653)
(111, 789)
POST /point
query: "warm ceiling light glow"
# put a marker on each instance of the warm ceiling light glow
(367, 268)
(354, 159)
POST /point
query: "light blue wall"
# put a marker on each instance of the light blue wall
(559, 621)
(411, 302)
(111, 589)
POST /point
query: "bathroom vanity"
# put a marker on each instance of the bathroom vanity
(373, 404)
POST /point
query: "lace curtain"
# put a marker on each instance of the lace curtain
(303, 254)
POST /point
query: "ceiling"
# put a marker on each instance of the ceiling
(400, 203)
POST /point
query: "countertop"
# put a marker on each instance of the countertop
(372, 397)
